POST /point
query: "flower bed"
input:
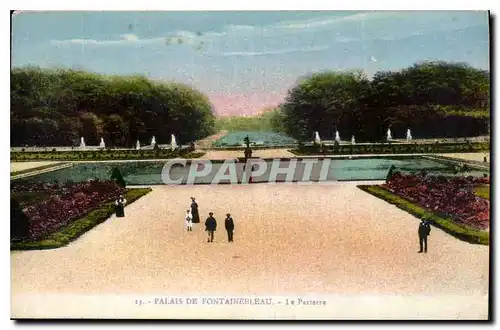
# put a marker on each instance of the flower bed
(77, 227)
(450, 196)
(67, 203)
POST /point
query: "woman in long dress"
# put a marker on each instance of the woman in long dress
(120, 206)
(194, 211)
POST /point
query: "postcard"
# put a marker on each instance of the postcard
(250, 165)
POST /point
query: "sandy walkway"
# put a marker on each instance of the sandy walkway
(477, 156)
(21, 166)
(332, 241)
(207, 142)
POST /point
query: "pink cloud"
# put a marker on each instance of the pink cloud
(245, 104)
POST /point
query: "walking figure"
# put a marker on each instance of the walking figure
(194, 211)
(210, 227)
(189, 221)
(229, 224)
(120, 206)
(424, 230)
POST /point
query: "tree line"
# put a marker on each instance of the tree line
(52, 107)
(433, 99)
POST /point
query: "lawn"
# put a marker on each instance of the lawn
(483, 191)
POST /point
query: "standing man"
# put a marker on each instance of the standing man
(424, 230)
(229, 223)
(194, 211)
(210, 227)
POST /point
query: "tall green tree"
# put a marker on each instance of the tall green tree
(56, 107)
(434, 99)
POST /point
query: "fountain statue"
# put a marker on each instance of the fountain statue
(173, 143)
(317, 138)
(337, 136)
(408, 135)
(82, 142)
(102, 144)
(389, 136)
(248, 150)
(353, 140)
(138, 145)
(153, 141)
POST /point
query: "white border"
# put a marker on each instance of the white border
(255, 5)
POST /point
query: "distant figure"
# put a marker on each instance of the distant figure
(194, 211)
(229, 224)
(485, 160)
(210, 227)
(120, 206)
(424, 230)
(189, 221)
(250, 180)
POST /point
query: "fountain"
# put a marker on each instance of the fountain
(138, 145)
(82, 142)
(173, 143)
(389, 136)
(153, 141)
(317, 138)
(102, 144)
(337, 136)
(408, 135)
(353, 140)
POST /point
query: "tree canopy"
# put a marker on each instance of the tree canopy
(56, 107)
(434, 99)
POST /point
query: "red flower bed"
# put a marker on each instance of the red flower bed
(451, 196)
(70, 203)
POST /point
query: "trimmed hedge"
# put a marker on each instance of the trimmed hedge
(461, 232)
(393, 148)
(97, 155)
(78, 227)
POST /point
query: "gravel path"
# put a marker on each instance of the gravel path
(333, 240)
(477, 156)
(21, 166)
(207, 142)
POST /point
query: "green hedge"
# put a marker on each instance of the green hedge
(393, 148)
(96, 155)
(80, 226)
(462, 232)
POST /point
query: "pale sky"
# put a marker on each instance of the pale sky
(245, 61)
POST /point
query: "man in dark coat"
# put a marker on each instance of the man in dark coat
(229, 224)
(424, 230)
(210, 227)
(194, 211)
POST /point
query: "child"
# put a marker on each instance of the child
(189, 221)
